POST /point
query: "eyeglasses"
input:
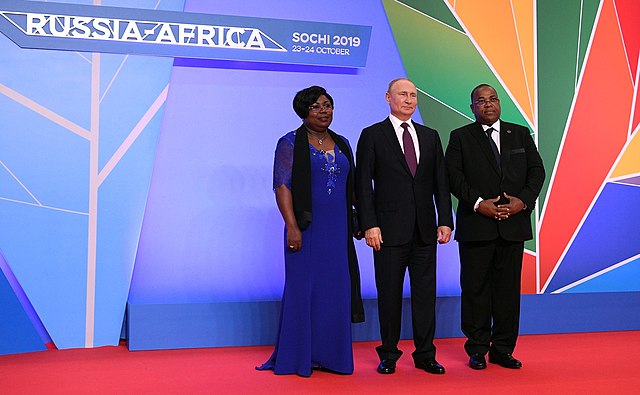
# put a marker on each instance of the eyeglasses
(483, 102)
(316, 108)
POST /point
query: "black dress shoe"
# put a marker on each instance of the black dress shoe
(387, 366)
(430, 366)
(505, 360)
(477, 362)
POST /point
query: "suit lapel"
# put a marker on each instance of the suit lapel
(506, 142)
(392, 139)
(483, 142)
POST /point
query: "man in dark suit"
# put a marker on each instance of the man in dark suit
(496, 173)
(400, 172)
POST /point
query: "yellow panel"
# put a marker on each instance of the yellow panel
(491, 24)
(630, 161)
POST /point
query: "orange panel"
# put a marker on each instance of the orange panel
(524, 11)
(630, 161)
(493, 28)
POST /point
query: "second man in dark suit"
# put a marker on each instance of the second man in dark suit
(496, 173)
(404, 206)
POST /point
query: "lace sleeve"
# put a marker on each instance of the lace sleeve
(283, 163)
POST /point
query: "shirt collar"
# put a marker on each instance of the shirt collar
(397, 122)
(495, 126)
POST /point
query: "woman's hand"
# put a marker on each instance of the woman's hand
(294, 238)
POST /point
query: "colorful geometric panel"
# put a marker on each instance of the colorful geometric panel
(569, 71)
(628, 12)
(438, 59)
(563, 35)
(508, 46)
(629, 162)
(438, 10)
(624, 277)
(631, 181)
(605, 239)
(590, 148)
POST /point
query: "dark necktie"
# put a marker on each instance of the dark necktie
(493, 145)
(409, 149)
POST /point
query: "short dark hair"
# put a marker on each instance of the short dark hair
(307, 97)
(478, 87)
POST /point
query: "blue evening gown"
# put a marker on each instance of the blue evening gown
(315, 318)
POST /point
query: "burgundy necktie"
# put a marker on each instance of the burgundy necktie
(409, 149)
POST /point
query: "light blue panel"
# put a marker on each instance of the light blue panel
(122, 200)
(623, 279)
(131, 92)
(48, 246)
(49, 160)
(54, 79)
(46, 243)
(10, 188)
(47, 252)
(17, 333)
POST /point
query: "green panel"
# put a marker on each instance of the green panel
(558, 70)
(440, 117)
(442, 61)
(589, 11)
(437, 9)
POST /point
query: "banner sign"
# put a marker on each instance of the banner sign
(86, 28)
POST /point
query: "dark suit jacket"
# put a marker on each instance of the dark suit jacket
(398, 200)
(473, 173)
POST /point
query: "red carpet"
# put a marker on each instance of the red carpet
(589, 363)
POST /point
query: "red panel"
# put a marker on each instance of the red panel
(597, 132)
(629, 15)
(528, 274)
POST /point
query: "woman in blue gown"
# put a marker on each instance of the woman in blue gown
(313, 183)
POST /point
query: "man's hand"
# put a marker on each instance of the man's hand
(373, 237)
(488, 208)
(444, 234)
(514, 206)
